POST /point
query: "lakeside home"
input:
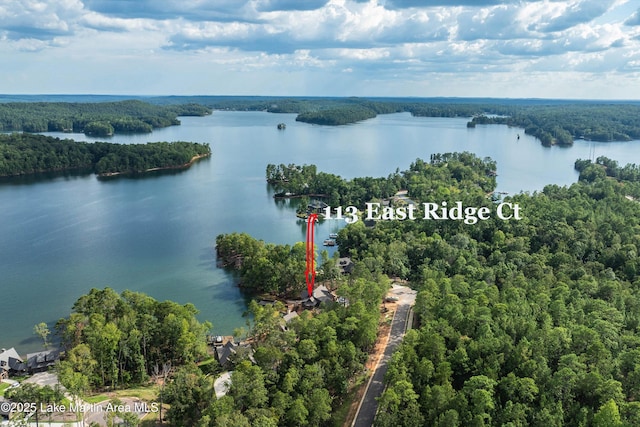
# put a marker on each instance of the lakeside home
(12, 364)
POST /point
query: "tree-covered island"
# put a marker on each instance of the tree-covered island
(25, 153)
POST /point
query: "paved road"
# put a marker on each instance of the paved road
(369, 405)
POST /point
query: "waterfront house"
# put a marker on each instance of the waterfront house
(286, 319)
(289, 316)
(322, 294)
(345, 265)
(319, 295)
(316, 206)
(10, 363)
(229, 353)
(41, 361)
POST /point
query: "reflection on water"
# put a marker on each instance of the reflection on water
(62, 234)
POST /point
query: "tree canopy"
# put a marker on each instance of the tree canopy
(99, 118)
(439, 179)
(529, 322)
(264, 267)
(115, 340)
(24, 153)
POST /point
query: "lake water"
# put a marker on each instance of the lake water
(61, 237)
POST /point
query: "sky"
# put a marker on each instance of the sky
(576, 49)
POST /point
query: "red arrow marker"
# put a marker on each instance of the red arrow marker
(310, 272)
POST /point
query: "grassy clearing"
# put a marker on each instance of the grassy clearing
(3, 387)
(148, 393)
(97, 398)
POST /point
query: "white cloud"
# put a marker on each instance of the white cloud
(106, 23)
(42, 20)
(360, 41)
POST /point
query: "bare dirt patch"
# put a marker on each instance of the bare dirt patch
(387, 311)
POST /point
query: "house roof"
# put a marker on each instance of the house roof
(42, 359)
(345, 265)
(317, 204)
(229, 349)
(10, 359)
(322, 294)
(310, 302)
(289, 316)
(224, 352)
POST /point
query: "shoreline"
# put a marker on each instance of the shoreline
(178, 167)
(298, 196)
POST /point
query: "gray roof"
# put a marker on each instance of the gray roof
(10, 359)
(322, 294)
(345, 265)
(290, 316)
(42, 359)
(225, 352)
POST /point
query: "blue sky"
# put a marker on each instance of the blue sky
(466, 48)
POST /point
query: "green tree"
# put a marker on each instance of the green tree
(188, 394)
(247, 386)
(608, 415)
(42, 330)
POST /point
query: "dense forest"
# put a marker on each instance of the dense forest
(522, 323)
(352, 112)
(551, 121)
(98, 119)
(603, 166)
(519, 323)
(274, 269)
(423, 180)
(561, 124)
(337, 116)
(115, 340)
(300, 373)
(293, 376)
(268, 268)
(24, 153)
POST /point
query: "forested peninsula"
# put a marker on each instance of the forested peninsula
(25, 154)
(474, 173)
(551, 124)
(531, 322)
(97, 119)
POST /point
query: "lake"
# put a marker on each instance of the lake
(61, 237)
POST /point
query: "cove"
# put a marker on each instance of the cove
(61, 236)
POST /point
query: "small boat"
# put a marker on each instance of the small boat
(329, 242)
(333, 235)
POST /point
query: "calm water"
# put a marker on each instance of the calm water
(61, 237)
